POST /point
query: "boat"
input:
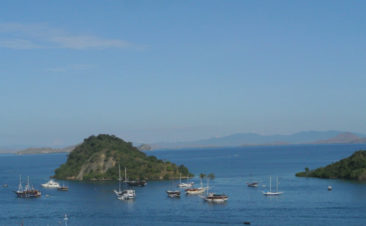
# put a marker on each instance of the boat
(173, 194)
(330, 188)
(63, 188)
(134, 183)
(124, 194)
(217, 198)
(270, 193)
(51, 184)
(184, 185)
(127, 194)
(28, 191)
(214, 197)
(195, 191)
(252, 184)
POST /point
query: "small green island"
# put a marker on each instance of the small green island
(351, 168)
(99, 157)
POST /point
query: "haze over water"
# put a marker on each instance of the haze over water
(306, 201)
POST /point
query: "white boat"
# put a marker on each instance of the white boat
(270, 193)
(124, 194)
(51, 184)
(330, 188)
(127, 194)
(196, 191)
(184, 185)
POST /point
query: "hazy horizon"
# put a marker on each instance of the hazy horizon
(167, 71)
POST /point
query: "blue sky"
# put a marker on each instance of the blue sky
(151, 71)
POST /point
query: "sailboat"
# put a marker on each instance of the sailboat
(214, 197)
(173, 193)
(28, 191)
(270, 193)
(63, 188)
(195, 191)
(184, 185)
(124, 194)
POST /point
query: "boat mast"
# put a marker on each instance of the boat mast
(277, 185)
(119, 177)
(270, 183)
(180, 178)
(208, 182)
(125, 175)
(20, 187)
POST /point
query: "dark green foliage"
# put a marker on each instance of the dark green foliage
(352, 168)
(102, 154)
(211, 176)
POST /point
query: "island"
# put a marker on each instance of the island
(30, 151)
(351, 168)
(99, 157)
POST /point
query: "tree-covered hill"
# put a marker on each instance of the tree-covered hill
(352, 168)
(98, 157)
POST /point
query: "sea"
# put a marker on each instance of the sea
(305, 201)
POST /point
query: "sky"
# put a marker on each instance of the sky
(153, 71)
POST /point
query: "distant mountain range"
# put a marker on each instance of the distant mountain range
(45, 150)
(252, 139)
(236, 140)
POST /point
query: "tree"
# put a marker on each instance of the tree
(211, 176)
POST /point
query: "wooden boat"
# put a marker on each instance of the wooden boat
(196, 191)
(214, 197)
(28, 191)
(252, 184)
(63, 188)
(134, 183)
(173, 194)
(217, 198)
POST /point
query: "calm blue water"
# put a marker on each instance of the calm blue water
(306, 201)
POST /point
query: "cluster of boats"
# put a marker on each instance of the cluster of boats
(127, 194)
(30, 192)
(190, 190)
(267, 193)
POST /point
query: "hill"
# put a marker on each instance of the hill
(245, 139)
(98, 157)
(352, 168)
(342, 138)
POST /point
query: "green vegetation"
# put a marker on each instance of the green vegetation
(351, 168)
(210, 176)
(98, 157)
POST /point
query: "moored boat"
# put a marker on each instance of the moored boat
(28, 191)
(173, 194)
(134, 183)
(252, 184)
(214, 197)
(124, 194)
(218, 198)
(63, 188)
(184, 185)
(51, 184)
(270, 193)
(195, 191)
